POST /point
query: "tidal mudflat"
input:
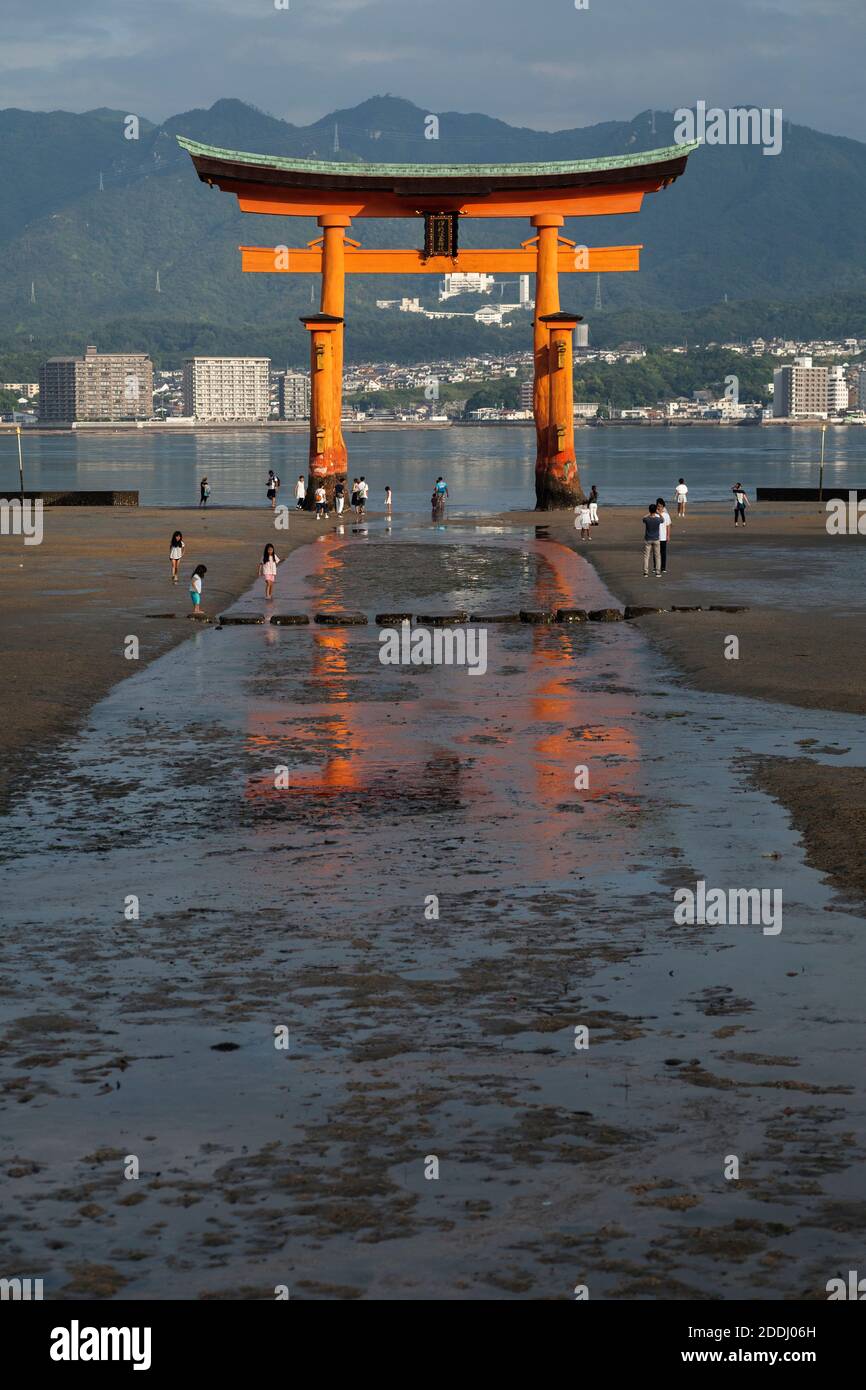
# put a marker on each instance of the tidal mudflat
(339, 1039)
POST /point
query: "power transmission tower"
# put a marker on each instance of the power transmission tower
(336, 138)
(598, 291)
(101, 184)
(32, 291)
(158, 290)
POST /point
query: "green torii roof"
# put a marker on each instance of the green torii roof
(397, 172)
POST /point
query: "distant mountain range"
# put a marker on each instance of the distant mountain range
(80, 261)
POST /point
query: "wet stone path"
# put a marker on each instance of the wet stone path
(426, 914)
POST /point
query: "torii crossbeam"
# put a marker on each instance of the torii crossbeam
(336, 193)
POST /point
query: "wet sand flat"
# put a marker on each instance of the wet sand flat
(427, 913)
(803, 636)
(67, 605)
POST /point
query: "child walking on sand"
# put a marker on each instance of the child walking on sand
(583, 519)
(195, 589)
(268, 569)
(175, 553)
(321, 498)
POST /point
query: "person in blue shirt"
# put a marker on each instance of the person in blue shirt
(652, 525)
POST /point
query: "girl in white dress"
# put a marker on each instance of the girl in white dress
(175, 553)
(268, 569)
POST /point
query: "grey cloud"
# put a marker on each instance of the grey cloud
(544, 64)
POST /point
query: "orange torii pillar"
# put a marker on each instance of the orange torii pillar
(327, 450)
(559, 484)
(556, 484)
(333, 302)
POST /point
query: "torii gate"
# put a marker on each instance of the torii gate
(336, 193)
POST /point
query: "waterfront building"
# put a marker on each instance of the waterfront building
(294, 396)
(226, 388)
(97, 386)
(861, 389)
(799, 389)
(837, 390)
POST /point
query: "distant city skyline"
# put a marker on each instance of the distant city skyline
(549, 67)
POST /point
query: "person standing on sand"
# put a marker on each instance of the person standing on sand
(339, 497)
(273, 489)
(741, 502)
(175, 553)
(195, 589)
(651, 527)
(593, 505)
(664, 531)
(204, 490)
(583, 520)
(388, 500)
(353, 498)
(300, 492)
(682, 493)
(321, 500)
(363, 493)
(268, 568)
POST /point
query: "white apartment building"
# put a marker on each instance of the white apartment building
(861, 389)
(471, 282)
(294, 396)
(837, 390)
(800, 389)
(226, 388)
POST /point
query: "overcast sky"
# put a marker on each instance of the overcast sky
(539, 63)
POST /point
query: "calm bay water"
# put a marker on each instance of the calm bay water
(488, 468)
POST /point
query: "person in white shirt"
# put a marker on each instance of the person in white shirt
(195, 589)
(363, 494)
(664, 531)
(741, 502)
(388, 499)
(300, 492)
(268, 568)
(321, 499)
(583, 520)
(682, 494)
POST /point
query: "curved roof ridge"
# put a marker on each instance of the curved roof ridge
(292, 163)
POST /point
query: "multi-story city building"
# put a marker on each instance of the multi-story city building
(799, 389)
(97, 386)
(526, 392)
(470, 282)
(226, 388)
(837, 390)
(861, 389)
(294, 396)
